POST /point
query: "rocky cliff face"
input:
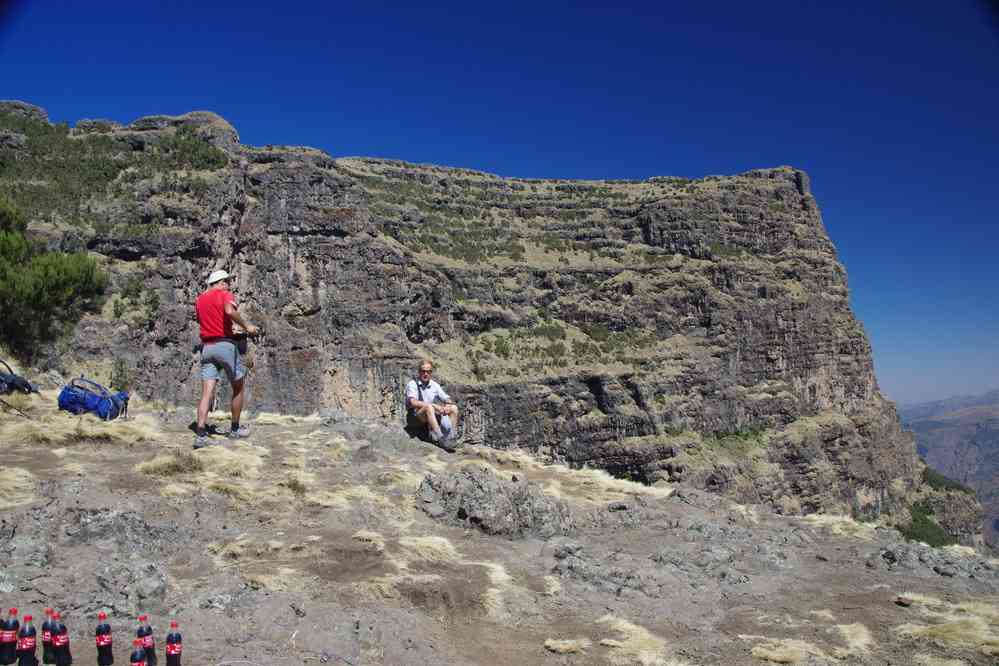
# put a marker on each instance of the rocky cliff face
(665, 330)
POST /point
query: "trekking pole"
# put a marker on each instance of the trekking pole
(13, 408)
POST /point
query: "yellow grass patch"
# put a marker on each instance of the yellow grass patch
(840, 525)
(634, 645)
(373, 540)
(552, 586)
(268, 418)
(858, 639)
(567, 645)
(433, 549)
(970, 624)
(17, 486)
(50, 428)
(172, 464)
(171, 490)
(825, 614)
(235, 491)
(400, 477)
(238, 460)
(929, 660)
(343, 498)
(957, 550)
(786, 651)
(387, 586)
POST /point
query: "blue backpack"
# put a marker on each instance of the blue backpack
(82, 396)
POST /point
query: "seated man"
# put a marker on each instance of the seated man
(423, 400)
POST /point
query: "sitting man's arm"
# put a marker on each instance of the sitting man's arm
(412, 401)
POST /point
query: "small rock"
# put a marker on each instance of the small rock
(945, 571)
(618, 506)
(904, 602)
(821, 558)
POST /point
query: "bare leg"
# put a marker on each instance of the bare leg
(429, 416)
(237, 398)
(207, 391)
(452, 412)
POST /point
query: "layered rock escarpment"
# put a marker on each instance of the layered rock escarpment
(666, 330)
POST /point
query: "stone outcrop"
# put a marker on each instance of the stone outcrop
(665, 330)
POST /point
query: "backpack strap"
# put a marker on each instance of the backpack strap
(90, 386)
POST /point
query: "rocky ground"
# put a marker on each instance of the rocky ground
(331, 539)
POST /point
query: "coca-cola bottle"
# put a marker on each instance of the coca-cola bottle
(8, 638)
(105, 656)
(27, 642)
(174, 646)
(47, 638)
(145, 632)
(138, 656)
(61, 653)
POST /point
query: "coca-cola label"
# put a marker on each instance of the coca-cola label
(26, 643)
(60, 640)
(46, 636)
(8, 636)
(103, 640)
(138, 663)
(147, 642)
(174, 648)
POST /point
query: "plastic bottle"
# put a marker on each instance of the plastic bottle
(47, 657)
(145, 632)
(174, 646)
(138, 656)
(8, 638)
(27, 642)
(105, 655)
(61, 653)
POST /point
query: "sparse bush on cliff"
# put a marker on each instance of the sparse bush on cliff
(922, 528)
(938, 481)
(39, 291)
(185, 150)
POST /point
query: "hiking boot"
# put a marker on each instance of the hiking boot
(242, 432)
(436, 436)
(201, 441)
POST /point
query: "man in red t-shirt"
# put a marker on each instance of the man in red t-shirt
(217, 310)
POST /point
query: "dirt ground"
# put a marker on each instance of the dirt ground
(308, 543)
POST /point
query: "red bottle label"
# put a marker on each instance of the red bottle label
(26, 643)
(174, 648)
(60, 640)
(46, 636)
(137, 663)
(147, 642)
(8, 636)
(103, 640)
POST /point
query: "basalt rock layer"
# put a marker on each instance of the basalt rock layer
(666, 330)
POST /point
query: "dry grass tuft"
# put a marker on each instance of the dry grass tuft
(400, 477)
(234, 491)
(238, 460)
(373, 540)
(552, 586)
(17, 486)
(568, 646)
(929, 660)
(825, 614)
(343, 498)
(387, 586)
(635, 644)
(840, 525)
(957, 550)
(858, 639)
(268, 418)
(173, 490)
(50, 427)
(970, 625)
(172, 464)
(786, 651)
(433, 549)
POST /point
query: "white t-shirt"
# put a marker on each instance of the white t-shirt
(431, 392)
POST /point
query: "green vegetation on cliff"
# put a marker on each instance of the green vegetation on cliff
(39, 290)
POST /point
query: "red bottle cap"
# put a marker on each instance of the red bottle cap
(56, 615)
(102, 616)
(13, 611)
(27, 618)
(142, 618)
(173, 624)
(48, 611)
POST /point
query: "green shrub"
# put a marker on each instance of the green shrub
(11, 218)
(40, 291)
(938, 481)
(922, 528)
(502, 347)
(186, 150)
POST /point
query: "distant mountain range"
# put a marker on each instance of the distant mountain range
(959, 437)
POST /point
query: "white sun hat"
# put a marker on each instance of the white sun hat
(217, 276)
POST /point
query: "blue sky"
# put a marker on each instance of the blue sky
(891, 107)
